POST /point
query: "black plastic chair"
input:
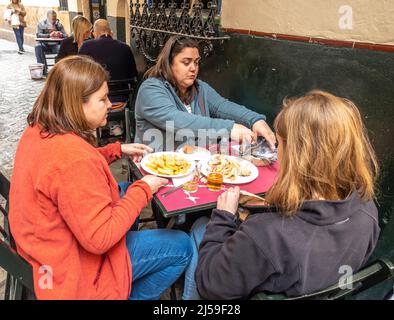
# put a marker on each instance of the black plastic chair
(19, 282)
(377, 272)
(122, 90)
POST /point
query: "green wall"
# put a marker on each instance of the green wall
(259, 73)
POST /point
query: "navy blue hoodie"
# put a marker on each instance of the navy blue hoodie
(296, 255)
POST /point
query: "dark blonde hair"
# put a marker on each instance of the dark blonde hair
(326, 152)
(80, 25)
(162, 68)
(58, 109)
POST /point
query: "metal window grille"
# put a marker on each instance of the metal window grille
(63, 5)
(153, 22)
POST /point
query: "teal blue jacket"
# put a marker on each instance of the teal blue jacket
(157, 103)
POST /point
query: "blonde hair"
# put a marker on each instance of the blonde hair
(326, 152)
(80, 25)
(58, 109)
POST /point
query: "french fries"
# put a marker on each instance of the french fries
(168, 164)
(229, 167)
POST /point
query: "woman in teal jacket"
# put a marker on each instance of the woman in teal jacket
(174, 107)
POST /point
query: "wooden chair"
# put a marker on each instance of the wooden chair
(377, 272)
(19, 282)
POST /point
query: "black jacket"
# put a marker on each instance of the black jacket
(114, 55)
(67, 48)
(298, 255)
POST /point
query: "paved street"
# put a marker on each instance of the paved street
(17, 95)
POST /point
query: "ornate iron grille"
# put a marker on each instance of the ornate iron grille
(152, 23)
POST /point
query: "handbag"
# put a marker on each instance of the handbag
(250, 203)
(15, 22)
(7, 15)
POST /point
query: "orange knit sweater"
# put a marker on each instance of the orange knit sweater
(68, 220)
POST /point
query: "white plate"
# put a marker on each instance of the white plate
(146, 159)
(199, 154)
(239, 180)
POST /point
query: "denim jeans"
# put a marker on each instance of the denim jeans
(196, 233)
(19, 37)
(47, 48)
(158, 258)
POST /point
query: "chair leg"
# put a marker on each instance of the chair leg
(127, 125)
(173, 293)
(7, 292)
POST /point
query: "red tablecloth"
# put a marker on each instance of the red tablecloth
(179, 200)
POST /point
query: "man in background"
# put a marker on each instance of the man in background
(49, 28)
(116, 57)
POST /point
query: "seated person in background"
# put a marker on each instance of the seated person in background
(81, 31)
(172, 92)
(67, 215)
(320, 216)
(115, 56)
(49, 28)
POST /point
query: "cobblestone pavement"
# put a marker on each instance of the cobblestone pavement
(17, 95)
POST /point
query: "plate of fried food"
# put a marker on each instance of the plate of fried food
(234, 169)
(194, 152)
(167, 164)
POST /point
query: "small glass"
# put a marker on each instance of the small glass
(192, 185)
(215, 181)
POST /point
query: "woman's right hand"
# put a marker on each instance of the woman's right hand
(155, 183)
(228, 201)
(241, 134)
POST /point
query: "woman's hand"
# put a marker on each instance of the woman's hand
(241, 134)
(135, 151)
(261, 128)
(228, 201)
(155, 183)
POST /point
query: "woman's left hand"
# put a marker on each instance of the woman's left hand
(261, 128)
(228, 201)
(135, 151)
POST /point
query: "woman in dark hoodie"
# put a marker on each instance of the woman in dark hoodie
(321, 216)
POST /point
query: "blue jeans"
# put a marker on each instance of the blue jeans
(196, 233)
(158, 258)
(47, 48)
(19, 37)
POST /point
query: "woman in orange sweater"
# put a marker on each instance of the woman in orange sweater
(66, 214)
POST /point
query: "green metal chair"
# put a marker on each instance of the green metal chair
(377, 272)
(124, 89)
(19, 282)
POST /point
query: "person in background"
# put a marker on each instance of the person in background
(114, 55)
(49, 28)
(320, 213)
(81, 31)
(18, 8)
(67, 215)
(172, 92)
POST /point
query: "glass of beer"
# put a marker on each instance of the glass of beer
(215, 181)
